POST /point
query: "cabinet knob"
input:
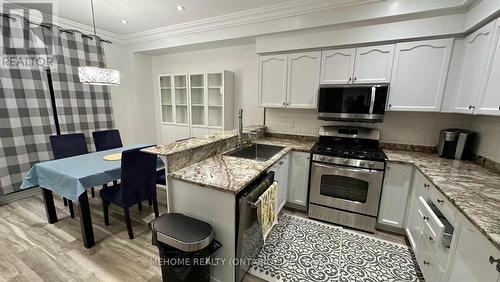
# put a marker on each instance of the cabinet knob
(493, 260)
(471, 107)
(430, 238)
(440, 201)
(355, 78)
(426, 263)
(425, 218)
(284, 103)
(349, 79)
(281, 162)
(499, 108)
(426, 185)
(390, 105)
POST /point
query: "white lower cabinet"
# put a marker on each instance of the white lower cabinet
(281, 172)
(395, 192)
(472, 256)
(299, 179)
(467, 257)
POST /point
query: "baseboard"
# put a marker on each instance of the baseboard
(391, 229)
(19, 195)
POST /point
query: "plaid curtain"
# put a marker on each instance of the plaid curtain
(80, 107)
(26, 116)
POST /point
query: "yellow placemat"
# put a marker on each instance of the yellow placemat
(113, 157)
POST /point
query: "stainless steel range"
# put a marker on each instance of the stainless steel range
(347, 171)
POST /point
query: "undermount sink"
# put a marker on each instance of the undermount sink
(259, 152)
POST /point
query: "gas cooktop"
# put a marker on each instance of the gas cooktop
(349, 151)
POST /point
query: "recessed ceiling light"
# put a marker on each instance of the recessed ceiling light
(180, 8)
(124, 21)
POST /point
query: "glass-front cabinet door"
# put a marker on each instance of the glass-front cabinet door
(181, 99)
(198, 99)
(167, 112)
(215, 99)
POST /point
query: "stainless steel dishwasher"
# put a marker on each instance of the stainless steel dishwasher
(249, 239)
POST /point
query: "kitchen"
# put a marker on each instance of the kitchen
(377, 120)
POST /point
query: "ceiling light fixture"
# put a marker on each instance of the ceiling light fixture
(97, 75)
(180, 8)
(124, 21)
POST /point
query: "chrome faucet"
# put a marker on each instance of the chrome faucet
(240, 128)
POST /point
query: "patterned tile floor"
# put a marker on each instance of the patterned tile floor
(300, 249)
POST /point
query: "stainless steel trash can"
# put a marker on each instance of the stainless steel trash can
(185, 245)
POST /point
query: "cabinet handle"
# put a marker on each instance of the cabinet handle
(281, 162)
(426, 263)
(426, 185)
(471, 107)
(440, 201)
(492, 260)
(425, 218)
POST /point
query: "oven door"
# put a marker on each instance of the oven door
(351, 189)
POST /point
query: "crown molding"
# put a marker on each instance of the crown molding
(257, 15)
(67, 24)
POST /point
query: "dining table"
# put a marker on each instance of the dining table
(71, 177)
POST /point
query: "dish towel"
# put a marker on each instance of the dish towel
(266, 209)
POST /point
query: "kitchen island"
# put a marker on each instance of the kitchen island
(209, 188)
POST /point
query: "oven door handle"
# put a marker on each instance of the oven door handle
(346, 168)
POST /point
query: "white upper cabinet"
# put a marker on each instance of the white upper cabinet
(272, 80)
(337, 66)
(419, 75)
(303, 80)
(477, 47)
(490, 100)
(395, 193)
(373, 64)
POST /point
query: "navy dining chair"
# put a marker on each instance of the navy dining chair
(107, 139)
(138, 183)
(65, 146)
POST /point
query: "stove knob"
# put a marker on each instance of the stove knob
(346, 161)
(371, 164)
(362, 163)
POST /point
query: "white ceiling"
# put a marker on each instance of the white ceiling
(144, 15)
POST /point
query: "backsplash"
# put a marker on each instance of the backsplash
(407, 130)
(398, 127)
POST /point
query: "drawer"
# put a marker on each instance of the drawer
(428, 260)
(445, 206)
(431, 222)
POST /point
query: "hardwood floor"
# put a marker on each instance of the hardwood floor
(33, 250)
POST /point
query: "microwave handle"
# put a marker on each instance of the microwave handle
(372, 100)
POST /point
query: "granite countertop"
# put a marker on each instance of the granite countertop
(474, 190)
(231, 174)
(225, 173)
(296, 144)
(191, 143)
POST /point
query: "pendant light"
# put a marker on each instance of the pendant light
(97, 75)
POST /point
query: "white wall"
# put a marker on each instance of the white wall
(132, 100)
(488, 129)
(241, 60)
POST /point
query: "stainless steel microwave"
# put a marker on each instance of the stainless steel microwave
(353, 102)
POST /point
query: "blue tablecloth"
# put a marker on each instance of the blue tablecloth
(69, 177)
